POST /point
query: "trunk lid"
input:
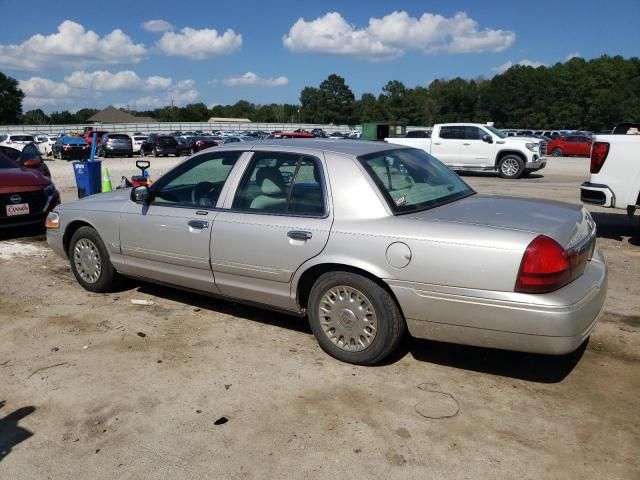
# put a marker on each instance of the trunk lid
(566, 223)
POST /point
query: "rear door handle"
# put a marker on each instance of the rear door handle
(199, 224)
(466, 144)
(437, 143)
(299, 235)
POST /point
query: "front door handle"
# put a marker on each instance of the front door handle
(466, 144)
(299, 235)
(199, 224)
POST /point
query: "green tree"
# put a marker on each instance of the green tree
(337, 100)
(10, 100)
(35, 117)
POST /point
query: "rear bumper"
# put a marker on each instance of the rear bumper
(597, 194)
(119, 151)
(556, 323)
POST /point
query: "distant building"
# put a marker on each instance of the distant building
(228, 120)
(115, 115)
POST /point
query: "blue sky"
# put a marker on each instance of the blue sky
(268, 54)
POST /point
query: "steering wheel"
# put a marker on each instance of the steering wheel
(200, 192)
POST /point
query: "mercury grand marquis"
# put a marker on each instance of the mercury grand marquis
(365, 239)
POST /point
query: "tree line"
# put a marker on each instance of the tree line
(583, 94)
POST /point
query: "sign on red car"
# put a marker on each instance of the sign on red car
(19, 209)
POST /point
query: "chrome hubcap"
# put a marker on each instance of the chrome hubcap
(510, 167)
(87, 260)
(348, 318)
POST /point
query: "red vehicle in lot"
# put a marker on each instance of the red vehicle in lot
(26, 195)
(579, 145)
(88, 135)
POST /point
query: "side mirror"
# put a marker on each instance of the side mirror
(487, 138)
(140, 194)
(32, 163)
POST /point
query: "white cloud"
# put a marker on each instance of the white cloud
(182, 93)
(106, 81)
(394, 34)
(157, 26)
(572, 55)
(524, 62)
(72, 44)
(251, 79)
(199, 44)
(79, 86)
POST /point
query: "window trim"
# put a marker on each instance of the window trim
(247, 173)
(375, 180)
(163, 181)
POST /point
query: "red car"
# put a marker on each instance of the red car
(26, 195)
(29, 152)
(570, 145)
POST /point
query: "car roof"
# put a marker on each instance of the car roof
(346, 147)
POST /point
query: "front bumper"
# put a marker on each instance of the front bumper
(597, 194)
(55, 241)
(536, 163)
(554, 323)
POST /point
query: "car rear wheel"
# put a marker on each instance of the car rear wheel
(354, 319)
(90, 262)
(556, 152)
(511, 166)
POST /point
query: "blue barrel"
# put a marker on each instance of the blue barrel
(87, 177)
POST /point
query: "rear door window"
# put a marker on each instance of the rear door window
(453, 132)
(277, 182)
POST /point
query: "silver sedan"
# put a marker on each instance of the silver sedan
(365, 239)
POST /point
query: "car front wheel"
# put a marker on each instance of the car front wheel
(511, 166)
(90, 262)
(354, 319)
(556, 152)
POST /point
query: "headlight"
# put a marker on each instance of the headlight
(532, 146)
(53, 220)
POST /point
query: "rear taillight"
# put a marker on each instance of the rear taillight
(545, 267)
(599, 152)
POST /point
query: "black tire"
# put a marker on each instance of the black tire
(130, 155)
(108, 278)
(155, 152)
(511, 166)
(391, 325)
(556, 152)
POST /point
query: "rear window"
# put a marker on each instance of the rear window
(139, 138)
(73, 141)
(166, 139)
(412, 180)
(22, 138)
(6, 163)
(118, 136)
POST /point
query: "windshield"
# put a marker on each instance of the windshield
(412, 180)
(495, 131)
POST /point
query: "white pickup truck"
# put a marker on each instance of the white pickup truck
(615, 170)
(473, 146)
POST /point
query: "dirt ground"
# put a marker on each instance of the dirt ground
(93, 386)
